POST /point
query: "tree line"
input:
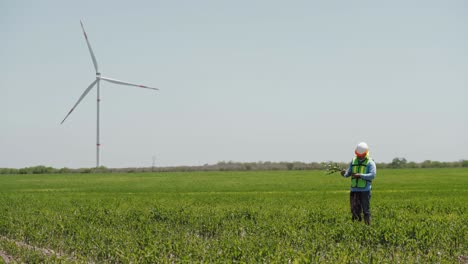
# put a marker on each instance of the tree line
(396, 163)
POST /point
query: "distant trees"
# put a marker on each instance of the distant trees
(464, 163)
(396, 163)
(403, 163)
(50, 170)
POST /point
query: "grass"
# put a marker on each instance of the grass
(419, 215)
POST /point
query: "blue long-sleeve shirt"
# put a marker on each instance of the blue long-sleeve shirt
(371, 171)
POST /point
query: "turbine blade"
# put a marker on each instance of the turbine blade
(81, 98)
(126, 83)
(90, 49)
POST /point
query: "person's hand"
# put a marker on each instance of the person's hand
(343, 172)
(356, 175)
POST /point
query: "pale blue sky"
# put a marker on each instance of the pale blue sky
(240, 80)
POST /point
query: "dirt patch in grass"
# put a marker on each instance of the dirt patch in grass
(6, 258)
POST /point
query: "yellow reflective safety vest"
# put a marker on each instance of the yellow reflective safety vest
(359, 167)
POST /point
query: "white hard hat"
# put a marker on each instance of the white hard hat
(362, 148)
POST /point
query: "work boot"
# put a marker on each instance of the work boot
(367, 219)
(357, 217)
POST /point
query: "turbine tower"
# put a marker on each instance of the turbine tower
(97, 83)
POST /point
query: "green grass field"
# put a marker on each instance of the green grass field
(419, 216)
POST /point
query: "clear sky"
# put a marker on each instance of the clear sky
(240, 80)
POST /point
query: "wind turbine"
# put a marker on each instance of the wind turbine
(97, 82)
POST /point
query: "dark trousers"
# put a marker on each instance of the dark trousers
(360, 203)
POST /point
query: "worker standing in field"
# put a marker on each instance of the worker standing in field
(362, 171)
